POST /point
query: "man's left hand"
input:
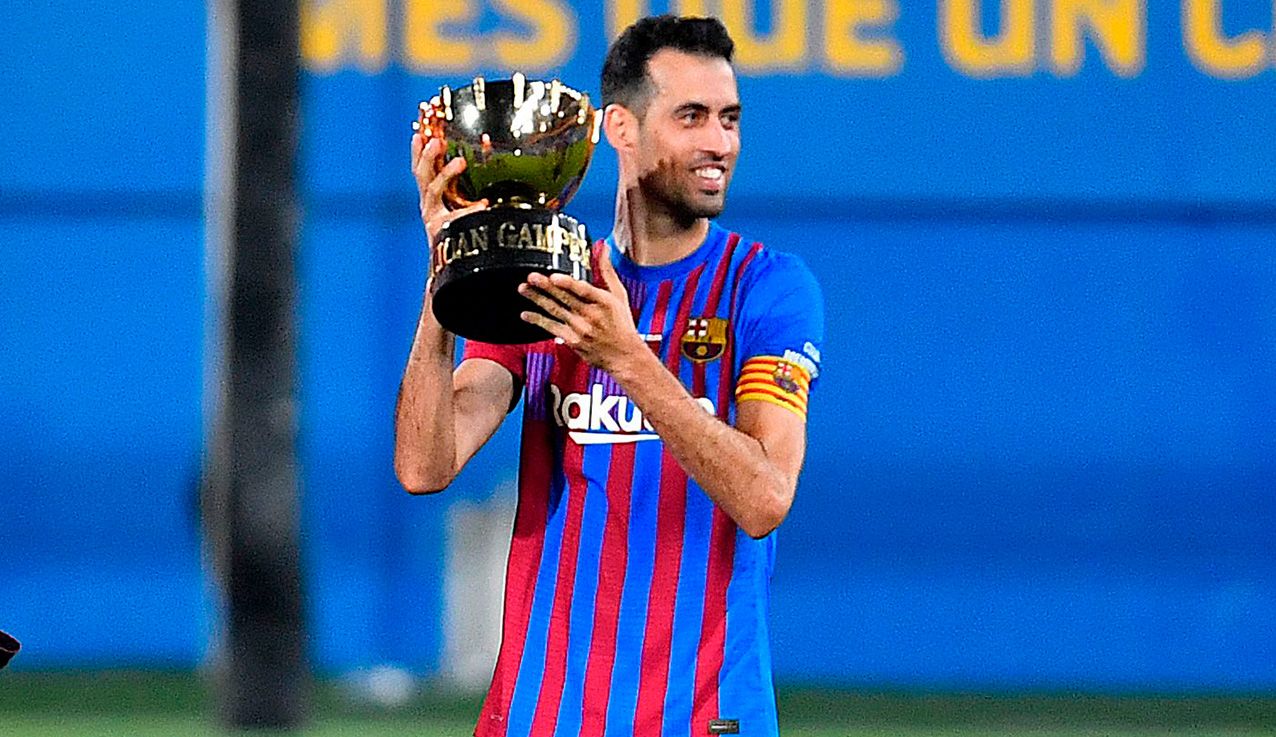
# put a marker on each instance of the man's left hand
(596, 322)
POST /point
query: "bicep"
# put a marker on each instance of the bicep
(779, 430)
(483, 392)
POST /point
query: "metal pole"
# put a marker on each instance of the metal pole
(252, 507)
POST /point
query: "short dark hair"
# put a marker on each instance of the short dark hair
(625, 79)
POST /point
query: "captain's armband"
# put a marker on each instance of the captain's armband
(775, 380)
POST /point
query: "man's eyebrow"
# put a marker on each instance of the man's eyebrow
(688, 107)
(700, 107)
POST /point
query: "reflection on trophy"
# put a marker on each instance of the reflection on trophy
(526, 145)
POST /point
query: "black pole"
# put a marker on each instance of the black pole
(253, 491)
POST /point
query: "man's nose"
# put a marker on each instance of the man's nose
(718, 140)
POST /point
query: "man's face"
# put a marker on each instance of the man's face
(689, 134)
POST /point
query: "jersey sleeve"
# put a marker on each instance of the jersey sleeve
(781, 333)
(512, 357)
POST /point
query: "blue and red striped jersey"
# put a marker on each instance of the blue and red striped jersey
(633, 604)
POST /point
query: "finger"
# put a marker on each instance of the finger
(608, 271)
(418, 145)
(427, 164)
(449, 172)
(428, 148)
(582, 290)
(546, 284)
(549, 304)
(553, 327)
(468, 210)
(441, 217)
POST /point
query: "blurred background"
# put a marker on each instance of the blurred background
(1040, 492)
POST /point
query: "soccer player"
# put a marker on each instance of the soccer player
(663, 427)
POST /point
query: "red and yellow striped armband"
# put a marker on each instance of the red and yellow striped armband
(772, 379)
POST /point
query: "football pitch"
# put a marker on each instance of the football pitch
(180, 705)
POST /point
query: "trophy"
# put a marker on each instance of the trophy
(526, 145)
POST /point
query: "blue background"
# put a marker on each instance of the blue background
(1042, 455)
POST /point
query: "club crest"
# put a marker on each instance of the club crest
(705, 339)
(785, 378)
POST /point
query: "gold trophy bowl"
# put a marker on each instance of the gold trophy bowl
(526, 145)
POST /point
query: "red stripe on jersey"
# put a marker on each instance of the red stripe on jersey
(713, 628)
(611, 583)
(612, 564)
(673, 357)
(699, 368)
(535, 474)
(663, 293)
(739, 275)
(551, 695)
(720, 277)
(653, 683)
(726, 383)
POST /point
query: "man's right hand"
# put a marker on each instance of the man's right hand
(432, 178)
(442, 418)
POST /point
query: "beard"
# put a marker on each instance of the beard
(664, 188)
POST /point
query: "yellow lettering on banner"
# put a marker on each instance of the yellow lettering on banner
(784, 49)
(553, 37)
(1009, 54)
(623, 13)
(1215, 54)
(425, 44)
(331, 29)
(847, 52)
(1117, 28)
(699, 8)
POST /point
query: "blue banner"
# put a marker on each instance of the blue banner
(1045, 101)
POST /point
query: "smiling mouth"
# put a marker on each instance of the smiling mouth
(711, 177)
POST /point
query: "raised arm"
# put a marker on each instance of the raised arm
(750, 470)
(442, 417)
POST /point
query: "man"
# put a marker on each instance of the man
(664, 427)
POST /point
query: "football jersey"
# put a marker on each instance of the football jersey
(633, 604)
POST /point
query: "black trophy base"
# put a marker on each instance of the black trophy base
(481, 258)
(9, 646)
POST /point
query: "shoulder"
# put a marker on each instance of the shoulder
(512, 357)
(780, 309)
(775, 275)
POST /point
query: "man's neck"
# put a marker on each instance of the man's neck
(650, 235)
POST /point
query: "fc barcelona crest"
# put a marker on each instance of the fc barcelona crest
(705, 339)
(785, 379)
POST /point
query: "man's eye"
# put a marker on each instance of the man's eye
(691, 117)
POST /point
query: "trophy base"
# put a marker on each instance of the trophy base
(481, 258)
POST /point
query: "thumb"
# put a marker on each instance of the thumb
(608, 272)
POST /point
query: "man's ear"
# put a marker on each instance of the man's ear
(621, 127)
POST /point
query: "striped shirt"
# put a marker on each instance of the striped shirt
(633, 604)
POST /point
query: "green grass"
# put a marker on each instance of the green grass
(180, 705)
(152, 725)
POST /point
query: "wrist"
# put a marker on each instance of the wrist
(430, 334)
(632, 364)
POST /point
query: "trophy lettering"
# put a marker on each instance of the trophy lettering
(526, 145)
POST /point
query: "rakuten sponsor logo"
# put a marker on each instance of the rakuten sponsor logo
(597, 418)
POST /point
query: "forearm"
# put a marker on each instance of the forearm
(732, 467)
(424, 417)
